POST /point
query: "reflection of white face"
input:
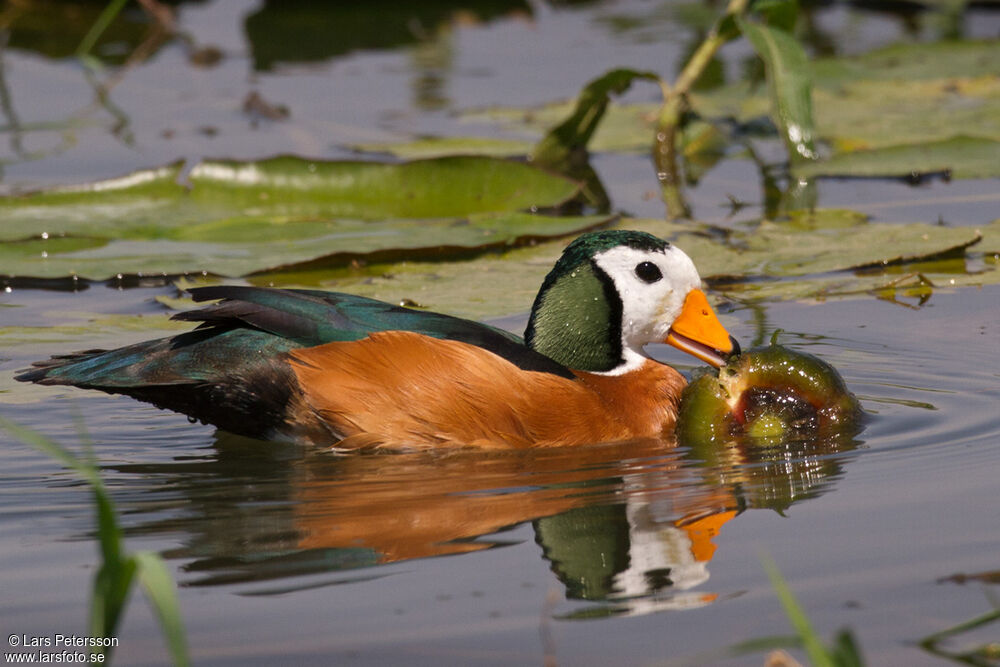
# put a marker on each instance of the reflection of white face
(652, 296)
(661, 564)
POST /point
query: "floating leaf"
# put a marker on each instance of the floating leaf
(875, 113)
(961, 157)
(832, 253)
(429, 147)
(778, 249)
(447, 186)
(236, 247)
(238, 218)
(147, 202)
(789, 260)
(912, 62)
(624, 127)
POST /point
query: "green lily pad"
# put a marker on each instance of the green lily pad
(912, 62)
(776, 249)
(238, 218)
(867, 245)
(868, 114)
(238, 247)
(742, 266)
(962, 157)
(490, 285)
(834, 253)
(430, 147)
(440, 187)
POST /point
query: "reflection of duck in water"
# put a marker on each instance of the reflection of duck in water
(641, 556)
(324, 367)
(627, 526)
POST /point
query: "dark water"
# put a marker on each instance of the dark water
(632, 554)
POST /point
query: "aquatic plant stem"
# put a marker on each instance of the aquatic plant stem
(108, 15)
(674, 103)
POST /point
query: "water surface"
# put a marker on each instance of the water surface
(636, 553)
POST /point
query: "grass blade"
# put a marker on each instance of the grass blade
(109, 598)
(818, 655)
(117, 570)
(108, 15)
(159, 587)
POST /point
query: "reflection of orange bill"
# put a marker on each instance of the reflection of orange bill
(701, 532)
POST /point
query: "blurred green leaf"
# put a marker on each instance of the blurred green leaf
(914, 61)
(834, 253)
(790, 86)
(868, 114)
(144, 203)
(703, 145)
(623, 127)
(813, 256)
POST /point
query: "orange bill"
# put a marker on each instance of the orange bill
(698, 331)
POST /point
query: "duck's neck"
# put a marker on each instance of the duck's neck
(576, 320)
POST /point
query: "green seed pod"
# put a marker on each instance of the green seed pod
(767, 395)
(765, 424)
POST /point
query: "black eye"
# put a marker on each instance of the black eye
(648, 272)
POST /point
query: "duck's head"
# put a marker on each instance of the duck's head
(614, 292)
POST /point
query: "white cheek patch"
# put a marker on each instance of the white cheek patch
(648, 309)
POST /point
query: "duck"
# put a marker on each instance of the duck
(353, 373)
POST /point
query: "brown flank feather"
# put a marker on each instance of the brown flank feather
(400, 388)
